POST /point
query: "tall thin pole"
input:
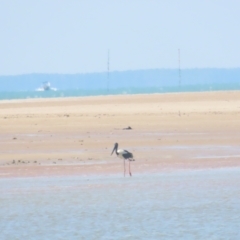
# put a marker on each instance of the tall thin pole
(179, 67)
(108, 69)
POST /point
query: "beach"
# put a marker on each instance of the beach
(75, 136)
(58, 179)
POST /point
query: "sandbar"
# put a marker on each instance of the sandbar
(75, 136)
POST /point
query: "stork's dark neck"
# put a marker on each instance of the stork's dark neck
(116, 149)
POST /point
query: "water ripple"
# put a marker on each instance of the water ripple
(200, 204)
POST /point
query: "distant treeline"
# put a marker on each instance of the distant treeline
(126, 79)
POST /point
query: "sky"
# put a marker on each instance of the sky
(74, 36)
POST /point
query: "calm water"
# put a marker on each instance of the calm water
(201, 204)
(6, 95)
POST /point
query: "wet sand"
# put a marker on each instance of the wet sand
(75, 136)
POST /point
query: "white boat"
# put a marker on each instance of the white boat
(46, 87)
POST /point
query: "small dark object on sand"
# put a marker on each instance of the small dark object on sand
(128, 128)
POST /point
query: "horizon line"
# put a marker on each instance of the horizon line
(121, 71)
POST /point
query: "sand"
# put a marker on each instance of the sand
(75, 136)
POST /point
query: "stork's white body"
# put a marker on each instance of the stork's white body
(120, 153)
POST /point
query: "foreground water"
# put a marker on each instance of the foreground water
(201, 204)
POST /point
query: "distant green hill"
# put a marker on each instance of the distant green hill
(138, 79)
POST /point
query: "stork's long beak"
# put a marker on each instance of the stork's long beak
(115, 147)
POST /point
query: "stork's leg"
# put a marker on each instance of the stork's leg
(124, 167)
(129, 168)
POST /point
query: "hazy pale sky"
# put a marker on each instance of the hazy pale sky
(73, 36)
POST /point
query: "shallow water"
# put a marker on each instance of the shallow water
(94, 89)
(200, 204)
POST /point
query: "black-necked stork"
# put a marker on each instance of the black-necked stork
(125, 155)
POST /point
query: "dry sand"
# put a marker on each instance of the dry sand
(67, 136)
